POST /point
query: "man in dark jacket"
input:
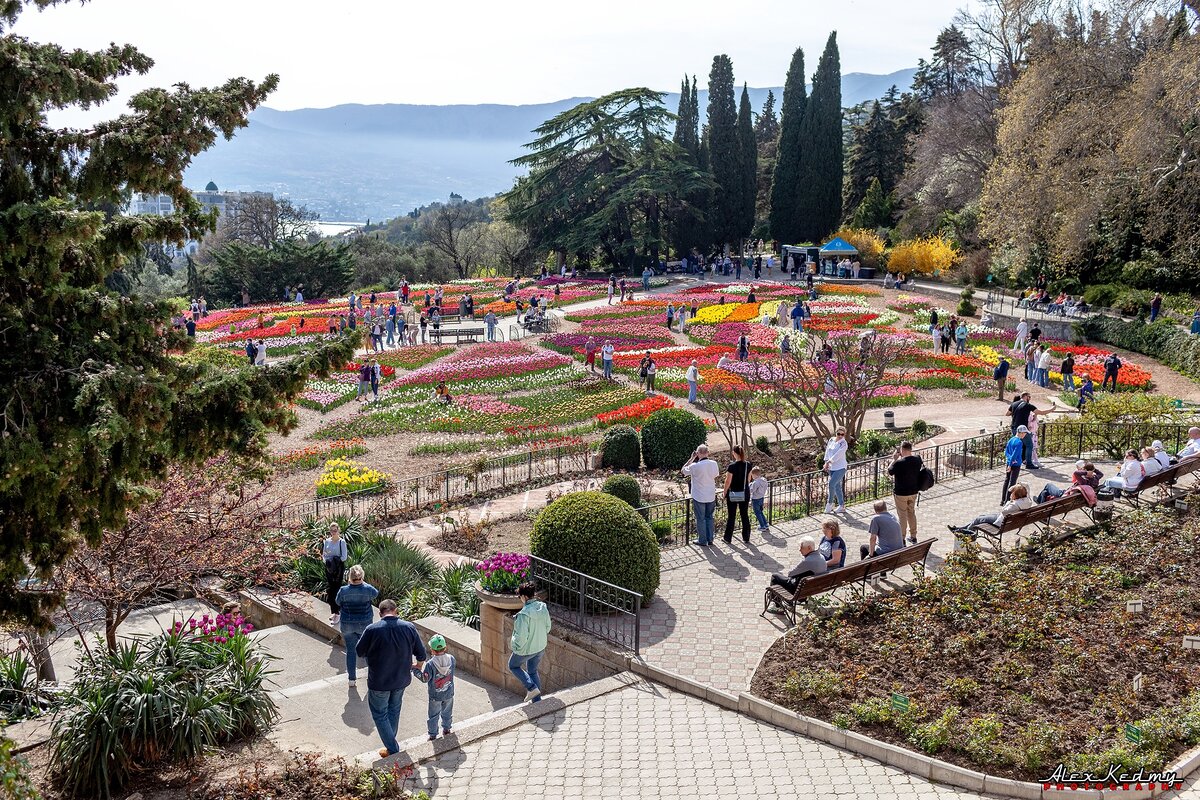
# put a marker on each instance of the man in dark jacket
(1000, 375)
(392, 648)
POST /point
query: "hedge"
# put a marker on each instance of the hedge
(670, 436)
(620, 448)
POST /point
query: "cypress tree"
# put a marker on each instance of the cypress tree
(784, 184)
(766, 127)
(723, 152)
(819, 195)
(683, 224)
(748, 163)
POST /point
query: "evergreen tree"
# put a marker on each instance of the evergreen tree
(97, 404)
(684, 223)
(819, 196)
(748, 163)
(877, 153)
(784, 225)
(766, 127)
(875, 210)
(724, 153)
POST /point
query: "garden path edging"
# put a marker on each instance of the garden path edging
(923, 766)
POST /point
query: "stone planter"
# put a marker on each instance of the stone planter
(507, 602)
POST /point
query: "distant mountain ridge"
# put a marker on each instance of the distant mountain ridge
(354, 162)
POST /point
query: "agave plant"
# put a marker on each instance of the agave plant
(20, 695)
(394, 567)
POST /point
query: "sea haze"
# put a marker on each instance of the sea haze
(359, 162)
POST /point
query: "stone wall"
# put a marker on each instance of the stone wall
(1051, 328)
(564, 664)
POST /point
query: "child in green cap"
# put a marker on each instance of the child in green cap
(438, 674)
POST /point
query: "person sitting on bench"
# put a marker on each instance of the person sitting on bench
(1129, 476)
(1192, 448)
(812, 563)
(885, 533)
(1018, 500)
(1085, 474)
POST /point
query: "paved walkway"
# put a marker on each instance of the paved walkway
(704, 623)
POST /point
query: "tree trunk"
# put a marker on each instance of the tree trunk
(110, 631)
(39, 650)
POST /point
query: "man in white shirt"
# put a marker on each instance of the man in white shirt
(1022, 337)
(1192, 448)
(703, 472)
(1160, 455)
(693, 380)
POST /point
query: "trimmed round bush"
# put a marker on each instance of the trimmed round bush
(669, 437)
(600, 535)
(624, 487)
(620, 449)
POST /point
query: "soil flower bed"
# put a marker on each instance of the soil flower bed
(1016, 664)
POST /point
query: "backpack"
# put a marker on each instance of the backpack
(926, 479)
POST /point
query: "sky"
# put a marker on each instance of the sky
(477, 51)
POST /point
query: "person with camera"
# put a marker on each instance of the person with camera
(905, 469)
(703, 472)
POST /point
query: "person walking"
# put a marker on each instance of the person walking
(611, 290)
(1155, 306)
(438, 675)
(489, 320)
(390, 326)
(960, 338)
(606, 359)
(1195, 328)
(905, 470)
(1014, 455)
(743, 347)
(759, 488)
(693, 380)
(355, 601)
(797, 315)
(364, 381)
(376, 374)
(703, 472)
(260, 356)
(1022, 338)
(1043, 367)
(1112, 368)
(251, 350)
(646, 274)
(1000, 376)
(737, 494)
(670, 315)
(334, 554)
(835, 467)
(531, 631)
(392, 648)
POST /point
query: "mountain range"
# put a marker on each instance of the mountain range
(359, 162)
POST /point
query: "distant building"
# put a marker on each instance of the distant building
(161, 205)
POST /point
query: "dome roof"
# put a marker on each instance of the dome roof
(212, 187)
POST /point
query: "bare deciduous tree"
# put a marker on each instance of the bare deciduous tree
(260, 219)
(457, 232)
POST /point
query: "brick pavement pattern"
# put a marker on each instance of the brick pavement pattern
(704, 622)
(649, 742)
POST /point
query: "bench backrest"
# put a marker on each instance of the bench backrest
(899, 558)
(1165, 476)
(842, 576)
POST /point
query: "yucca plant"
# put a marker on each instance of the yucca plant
(167, 698)
(395, 567)
(20, 695)
(307, 567)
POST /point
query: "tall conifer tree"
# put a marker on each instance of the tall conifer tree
(819, 195)
(723, 152)
(748, 164)
(684, 226)
(785, 184)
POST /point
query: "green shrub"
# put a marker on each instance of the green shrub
(624, 487)
(20, 695)
(933, 736)
(984, 741)
(392, 566)
(1039, 745)
(620, 448)
(15, 783)
(164, 699)
(873, 443)
(670, 436)
(217, 357)
(762, 445)
(873, 711)
(822, 685)
(962, 689)
(663, 530)
(966, 308)
(599, 535)
(919, 428)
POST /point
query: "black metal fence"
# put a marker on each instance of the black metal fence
(439, 488)
(806, 493)
(589, 604)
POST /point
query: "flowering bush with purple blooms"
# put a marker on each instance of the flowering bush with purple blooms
(504, 572)
(219, 629)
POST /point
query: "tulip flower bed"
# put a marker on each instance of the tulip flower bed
(911, 303)
(504, 359)
(316, 455)
(326, 395)
(342, 476)
(384, 370)
(412, 357)
(634, 412)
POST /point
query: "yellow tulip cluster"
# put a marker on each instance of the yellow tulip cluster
(711, 315)
(342, 476)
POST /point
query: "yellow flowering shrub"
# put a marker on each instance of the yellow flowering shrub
(870, 245)
(342, 476)
(927, 256)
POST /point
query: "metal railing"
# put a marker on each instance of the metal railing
(589, 604)
(804, 494)
(439, 488)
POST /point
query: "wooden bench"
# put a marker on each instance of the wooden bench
(1039, 516)
(855, 575)
(470, 334)
(1162, 481)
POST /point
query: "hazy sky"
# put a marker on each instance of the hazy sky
(471, 51)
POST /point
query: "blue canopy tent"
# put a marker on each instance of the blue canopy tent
(836, 248)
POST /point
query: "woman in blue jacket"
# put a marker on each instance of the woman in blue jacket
(355, 599)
